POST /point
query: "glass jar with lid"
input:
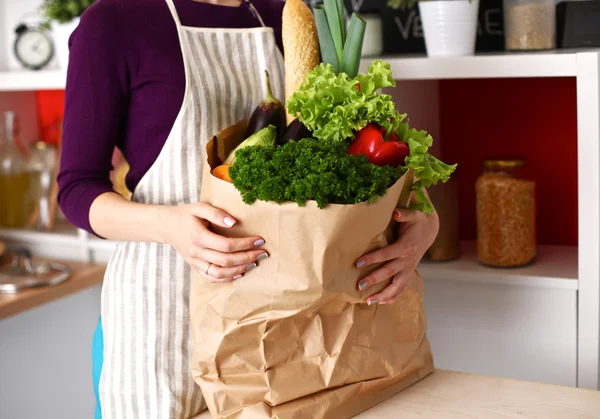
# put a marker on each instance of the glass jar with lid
(506, 214)
(529, 24)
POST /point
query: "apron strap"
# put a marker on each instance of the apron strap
(173, 10)
(254, 12)
(248, 4)
(184, 47)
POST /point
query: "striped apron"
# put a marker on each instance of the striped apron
(144, 328)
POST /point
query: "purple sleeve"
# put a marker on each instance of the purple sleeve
(95, 108)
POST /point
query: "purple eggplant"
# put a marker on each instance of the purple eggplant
(269, 112)
(296, 131)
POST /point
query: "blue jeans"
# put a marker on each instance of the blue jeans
(97, 361)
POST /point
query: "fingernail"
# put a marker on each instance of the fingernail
(259, 242)
(262, 256)
(363, 285)
(229, 222)
(360, 263)
(238, 276)
(372, 302)
(252, 266)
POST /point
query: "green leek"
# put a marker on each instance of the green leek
(340, 6)
(353, 46)
(336, 25)
(329, 54)
(340, 49)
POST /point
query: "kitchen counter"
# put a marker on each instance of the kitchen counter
(83, 276)
(454, 395)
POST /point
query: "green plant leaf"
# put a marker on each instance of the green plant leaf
(340, 6)
(353, 46)
(336, 25)
(64, 11)
(330, 105)
(326, 45)
(401, 4)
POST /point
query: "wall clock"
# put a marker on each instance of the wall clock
(33, 47)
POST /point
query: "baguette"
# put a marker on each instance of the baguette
(300, 45)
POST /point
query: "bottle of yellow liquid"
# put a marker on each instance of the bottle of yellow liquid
(14, 178)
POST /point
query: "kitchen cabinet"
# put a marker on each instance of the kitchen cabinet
(513, 331)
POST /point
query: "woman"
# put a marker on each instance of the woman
(156, 78)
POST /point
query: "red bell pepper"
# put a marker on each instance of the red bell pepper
(370, 141)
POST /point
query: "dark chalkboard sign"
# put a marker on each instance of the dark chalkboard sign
(403, 32)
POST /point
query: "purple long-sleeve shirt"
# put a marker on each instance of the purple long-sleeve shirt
(125, 86)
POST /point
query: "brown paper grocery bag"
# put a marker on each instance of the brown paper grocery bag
(293, 338)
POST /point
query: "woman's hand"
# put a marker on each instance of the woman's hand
(417, 233)
(217, 258)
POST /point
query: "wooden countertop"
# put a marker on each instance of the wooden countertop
(83, 276)
(454, 395)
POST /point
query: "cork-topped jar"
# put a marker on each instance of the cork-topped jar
(506, 213)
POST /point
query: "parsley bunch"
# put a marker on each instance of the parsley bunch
(307, 170)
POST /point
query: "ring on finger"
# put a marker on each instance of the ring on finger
(207, 268)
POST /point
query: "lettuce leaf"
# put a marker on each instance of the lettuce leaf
(428, 170)
(331, 106)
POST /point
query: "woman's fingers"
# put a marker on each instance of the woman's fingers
(228, 274)
(231, 259)
(403, 215)
(392, 292)
(217, 266)
(214, 280)
(206, 238)
(212, 215)
(384, 254)
(385, 272)
(213, 241)
(216, 273)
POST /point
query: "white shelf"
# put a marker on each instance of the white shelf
(554, 267)
(64, 236)
(493, 65)
(53, 238)
(12, 81)
(67, 243)
(559, 63)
